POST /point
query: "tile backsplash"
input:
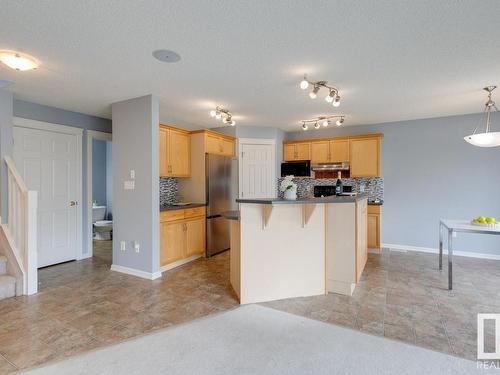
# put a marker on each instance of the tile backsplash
(168, 190)
(373, 186)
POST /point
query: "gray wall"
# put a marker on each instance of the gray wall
(429, 173)
(109, 179)
(99, 172)
(136, 212)
(5, 147)
(53, 115)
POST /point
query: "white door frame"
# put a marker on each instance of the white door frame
(91, 135)
(78, 133)
(256, 141)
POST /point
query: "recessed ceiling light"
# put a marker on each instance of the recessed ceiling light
(167, 56)
(18, 61)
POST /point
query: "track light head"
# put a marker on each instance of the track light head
(329, 98)
(304, 84)
(314, 93)
(212, 113)
(336, 100)
(225, 120)
(218, 115)
(325, 123)
(304, 126)
(232, 123)
(340, 121)
(316, 125)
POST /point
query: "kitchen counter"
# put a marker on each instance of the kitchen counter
(172, 207)
(331, 199)
(372, 203)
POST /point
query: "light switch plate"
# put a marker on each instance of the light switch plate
(122, 245)
(132, 174)
(136, 246)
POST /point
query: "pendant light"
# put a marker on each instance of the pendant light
(488, 138)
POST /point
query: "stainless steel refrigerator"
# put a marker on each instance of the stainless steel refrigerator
(222, 191)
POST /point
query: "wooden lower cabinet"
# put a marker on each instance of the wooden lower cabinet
(172, 242)
(374, 227)
(195, 236)
(182, 234)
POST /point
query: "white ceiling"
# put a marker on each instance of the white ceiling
(391, 60)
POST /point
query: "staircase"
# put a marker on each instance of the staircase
(7, 283)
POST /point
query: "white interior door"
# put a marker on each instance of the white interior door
(257, 171)
(47, 161)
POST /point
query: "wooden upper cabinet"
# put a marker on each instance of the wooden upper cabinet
(180, 146)
(288, 152)
(365, 157)
(175, 152)
(320, 152)
(164, 163)
(212, 144)
(219, 144)
(297, 151)
(339, 150)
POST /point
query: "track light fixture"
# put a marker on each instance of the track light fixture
(323, 120)
(333, 93)
(223, 114)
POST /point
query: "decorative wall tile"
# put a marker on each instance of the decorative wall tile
(168, 190)
(373, 186)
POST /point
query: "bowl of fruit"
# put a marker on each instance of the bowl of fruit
(486, 221)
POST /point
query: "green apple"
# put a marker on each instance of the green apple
(491, 220)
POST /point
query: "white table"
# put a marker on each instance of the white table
(455, 226)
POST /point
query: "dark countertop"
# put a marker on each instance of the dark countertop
(231, 215)
(331, 199)
(171, 207)
(379, 203)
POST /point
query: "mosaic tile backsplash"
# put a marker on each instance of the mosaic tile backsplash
(168, 190)
(373, 186)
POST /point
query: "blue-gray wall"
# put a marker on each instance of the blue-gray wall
(429, 173)
(136, 213)
(99, 172)
(53, 115)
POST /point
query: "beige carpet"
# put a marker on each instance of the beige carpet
(258, 340)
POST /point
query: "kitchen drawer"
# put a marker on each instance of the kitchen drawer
(171, 215)
(193, 212)
(373, 209)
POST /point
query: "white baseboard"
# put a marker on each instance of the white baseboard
(469, 254)
(134, 272)
(179, 263)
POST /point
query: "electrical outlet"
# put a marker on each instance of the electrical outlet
(122, 245)
(136, 246)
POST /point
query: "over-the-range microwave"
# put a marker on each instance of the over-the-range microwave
(300, 168)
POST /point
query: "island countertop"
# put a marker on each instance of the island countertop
(331, 199)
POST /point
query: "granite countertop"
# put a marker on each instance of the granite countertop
(379, 203)
(231, 215)
(173, 207)
(331, 199)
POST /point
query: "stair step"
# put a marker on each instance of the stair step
(3, 265)
(7, 287)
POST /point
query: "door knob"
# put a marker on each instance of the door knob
(73, 203)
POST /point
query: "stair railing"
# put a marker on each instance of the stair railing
(21, 226)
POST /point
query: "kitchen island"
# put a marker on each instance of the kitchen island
(283, 249)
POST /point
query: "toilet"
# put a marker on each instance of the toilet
(102, 228)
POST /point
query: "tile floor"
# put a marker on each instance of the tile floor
(82, 305)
